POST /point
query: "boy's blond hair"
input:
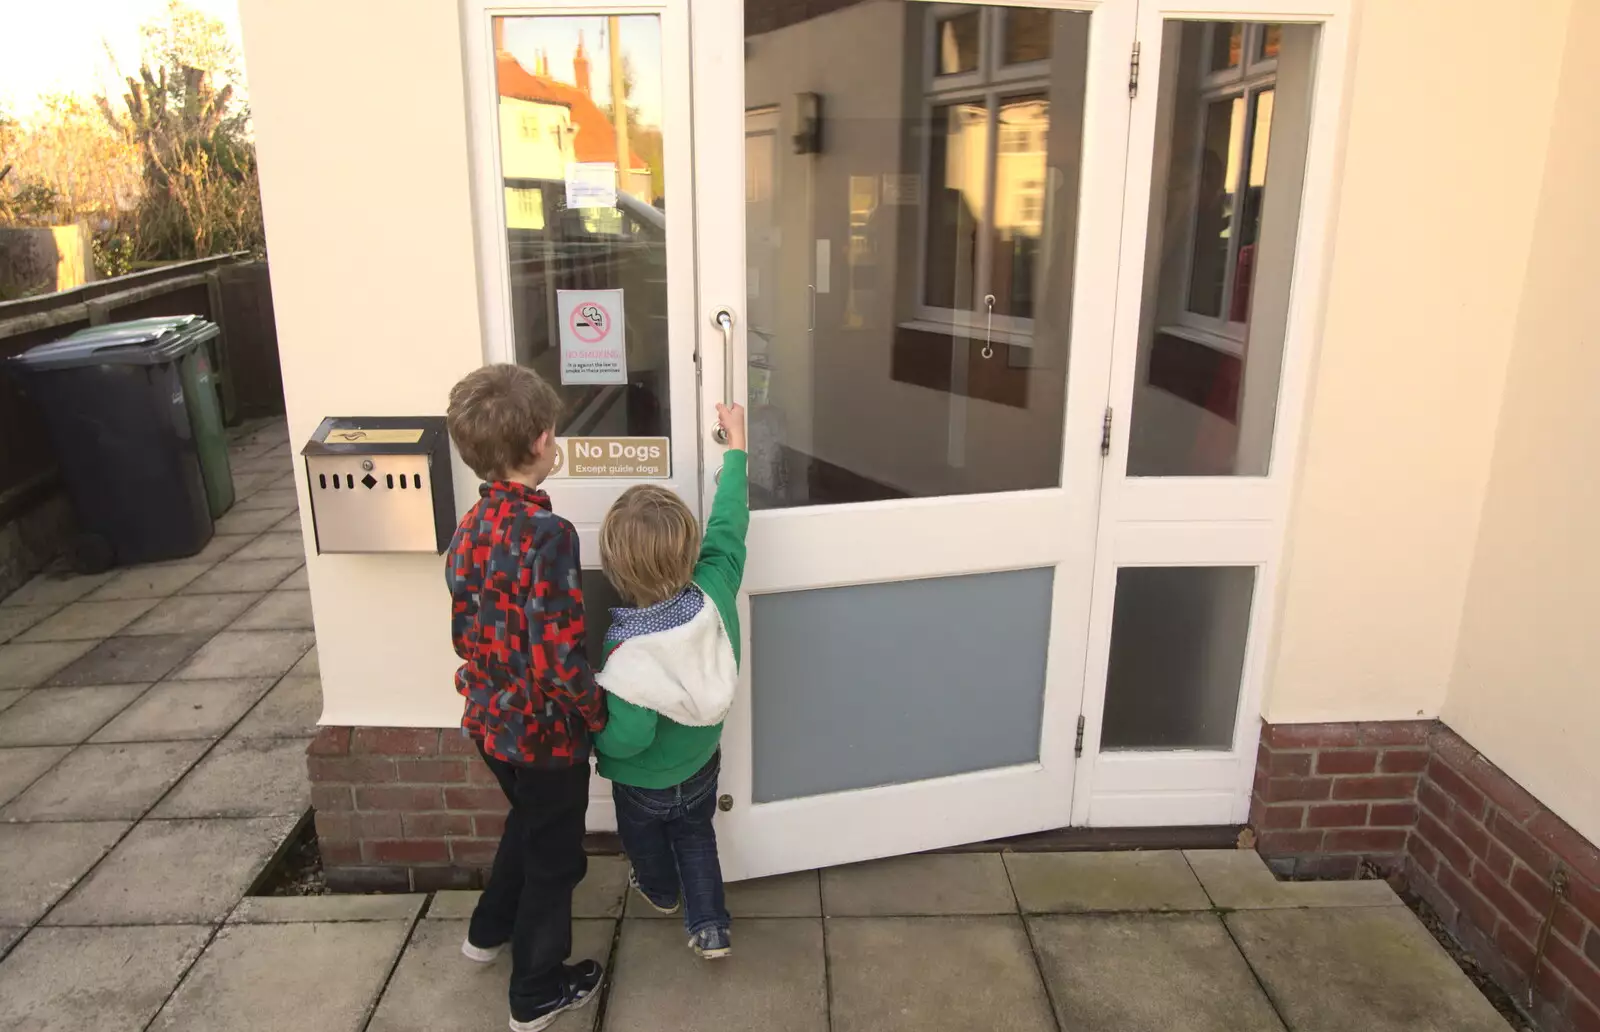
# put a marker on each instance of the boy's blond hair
(648, 545)
(496, 415)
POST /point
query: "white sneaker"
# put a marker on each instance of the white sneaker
(480, 954)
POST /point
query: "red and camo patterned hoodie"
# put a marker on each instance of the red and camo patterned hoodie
(517, 624)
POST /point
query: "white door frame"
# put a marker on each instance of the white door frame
(1207, 521)
(824, 546)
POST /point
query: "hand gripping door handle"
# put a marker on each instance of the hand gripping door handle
(722, 319)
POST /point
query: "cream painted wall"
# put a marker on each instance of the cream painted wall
(370, 228)
(1524, 688)
(1450, 118)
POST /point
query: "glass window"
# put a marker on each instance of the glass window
(1227, 40)
(1177, 656)
(580, 103)
(958, 176)
(1027, 35)
(1019, 182)
(878, 367)
(958, 44)
(1271, 39)
(1222, 243)
(1221, 145)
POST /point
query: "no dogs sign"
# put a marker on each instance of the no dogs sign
(592, 348)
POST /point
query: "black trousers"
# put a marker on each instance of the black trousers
(540, 861)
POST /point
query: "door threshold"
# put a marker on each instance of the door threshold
(1075, 840)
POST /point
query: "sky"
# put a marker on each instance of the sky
(60, 45)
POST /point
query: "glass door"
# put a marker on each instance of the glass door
(909, 214)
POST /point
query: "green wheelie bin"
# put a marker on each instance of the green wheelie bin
(199, 388)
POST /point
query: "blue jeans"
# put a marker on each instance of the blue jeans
(672, 846)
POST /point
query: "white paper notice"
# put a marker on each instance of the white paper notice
(592, 184)
(592, 341)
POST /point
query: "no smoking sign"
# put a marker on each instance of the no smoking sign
(592, 338)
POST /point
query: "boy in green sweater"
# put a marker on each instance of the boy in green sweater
(671, 667)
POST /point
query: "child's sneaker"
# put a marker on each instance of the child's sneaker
(580, 983)
(480, 954)
(711, 943)
(633, 883)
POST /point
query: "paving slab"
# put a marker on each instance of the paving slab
(309, 666)
(787, 895)
(930, 883)
(435, 987)
(1362, 969)
(1149, 973)
(54, 589)
(129, 660)
(106, 979)
(11, 696)
(174, 872)
(43, 861)
(16, 619)
(1238, 879)
(274, 545)
(84, 620)
(247, 484)
(271, 977)
(236, 575)
(186, 614)
(322, 909)
(9, 936)
(290, 524)
(30, 664)
(263, 777)
(290, 710)
(775, 981)
(251, 521)
(149, 581)
(1064, 883)
(64, 716)
(179, 710)
(933, 973)
(20, 768)
(598, 895)
(105, 782)
(278, 611)
(217, 549)
(272, 497)
(234, 654)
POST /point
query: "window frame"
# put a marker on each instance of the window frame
(1248, 80)
(991, 84)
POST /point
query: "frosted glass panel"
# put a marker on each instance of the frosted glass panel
(881, 684)
(1177, 655)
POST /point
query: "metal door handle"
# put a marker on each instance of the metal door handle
(722, 319)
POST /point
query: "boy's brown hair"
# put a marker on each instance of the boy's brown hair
(496, 415)
(648, 545)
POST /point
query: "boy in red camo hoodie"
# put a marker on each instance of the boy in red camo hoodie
(531, 699)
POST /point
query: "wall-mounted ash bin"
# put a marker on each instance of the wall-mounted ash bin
(381, 484)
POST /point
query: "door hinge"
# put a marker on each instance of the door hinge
(1077, 747)
(1105, 434)
(1133, 72)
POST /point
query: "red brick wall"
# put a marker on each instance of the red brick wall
(1498, 866)
(1329, 796)
(403, 809)
(1503, 872)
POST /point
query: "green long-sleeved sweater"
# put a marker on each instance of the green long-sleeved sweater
(688, 670)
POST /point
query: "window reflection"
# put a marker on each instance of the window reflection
(1205, 401)
(948, 175)
(580, 103)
